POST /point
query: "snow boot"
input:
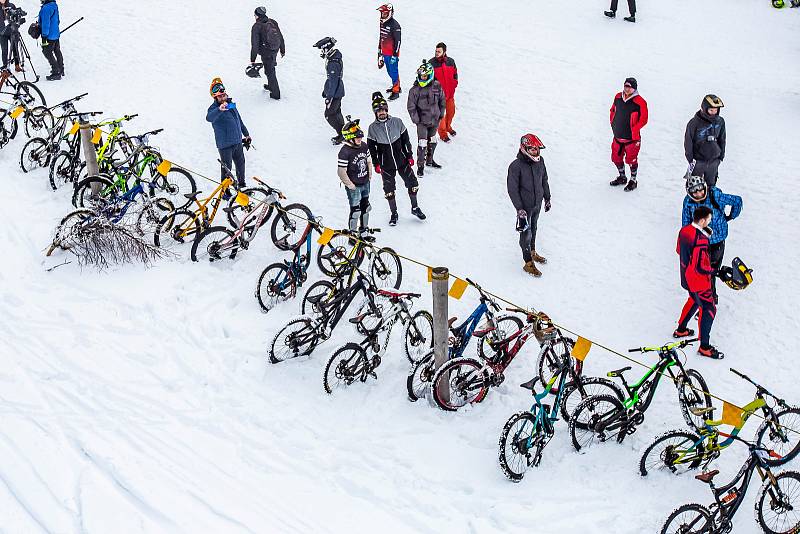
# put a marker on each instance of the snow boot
(420, 169)
(537, 258)
(531, 268)
(709, 351)
(417, 212)
(610, 14)
(631, 185)
(393, 219)
(53, 77)
(266, 87)
(445, 139)
(620, 180)
(678, 333)
(452, 133)
(394, 96)
(632, 18)
(429, 157)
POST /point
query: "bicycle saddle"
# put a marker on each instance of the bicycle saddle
(618, 372)
(450, 321)
(192, 196)
(314, 299)
(397, 294)
(530, 383)
(700, 412)
(707, 477)
(229, 209)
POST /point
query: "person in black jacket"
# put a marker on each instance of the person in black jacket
(704, 141)
(333, 92)
(6, 30)
(266, 40)
(528, 187)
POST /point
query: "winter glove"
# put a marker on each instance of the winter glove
(45, 43)
(246, 142)
(283, 54)
(522, 221)
(380, 61)
(378, 169)
(411, 161)
(547, 205)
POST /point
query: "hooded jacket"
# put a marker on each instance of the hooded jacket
(426, 105)
(446, 73)
(334, 85)
(717, 201)
(527, 183)
(258, 38)
(628, 116)
(389, 144)
(48, 20)
(696, 268)
(228, 126)
(705, 136)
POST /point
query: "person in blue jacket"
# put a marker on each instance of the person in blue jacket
(230, 133)
(51, 46)
(699, 193)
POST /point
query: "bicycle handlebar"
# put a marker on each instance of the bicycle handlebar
(759, 387)
(68, 101)
(667, 347)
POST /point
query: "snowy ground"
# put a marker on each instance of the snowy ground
(140, 400)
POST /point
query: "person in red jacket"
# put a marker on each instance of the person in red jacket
(696, 273)
(628, 117)
(446, 73)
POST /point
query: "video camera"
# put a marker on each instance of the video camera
(16, 17)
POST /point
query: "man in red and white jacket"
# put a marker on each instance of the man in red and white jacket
(696, 273)
(628, 117)
(446, 73)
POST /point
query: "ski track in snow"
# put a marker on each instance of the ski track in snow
(141, 400)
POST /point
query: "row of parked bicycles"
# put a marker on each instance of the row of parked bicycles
(361, 284)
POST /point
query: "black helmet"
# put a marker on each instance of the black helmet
(378, 102)
(711, 101)
(325, 45)
(261, 11)
(737, 276)
(254, 70)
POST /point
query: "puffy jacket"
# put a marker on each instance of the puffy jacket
(258, 38)
(389, 144)
(446, 73)
(527, 183)
(334, 85)
(628, 116)
(426, 105)
(389, 40)
(696, 268)
(228, 126)
(48, 20)
(717, 201)
(705, 138)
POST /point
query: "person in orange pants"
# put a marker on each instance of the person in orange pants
(446, 73)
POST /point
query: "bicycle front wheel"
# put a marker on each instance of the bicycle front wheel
(693, 394)
(289, 225)
(30, 94)
(463, 382)
(332, 257)
(35, 155)
(588, 424)
(237, 213)
(297, 338)
(348, 364)
(64, 169)
(215, 244)
(93, 192)
(419, 380)
(177, 184)
(39, 121)
(418, 336)
(518, 442)
(69, 226)
(673, 452)
(275, 285)
(781, 437)
(689, 519)
(324, 288)
(386, 270)
(551, 356)
(778, 504)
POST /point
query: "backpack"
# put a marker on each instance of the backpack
(273, 38)
(34, 30)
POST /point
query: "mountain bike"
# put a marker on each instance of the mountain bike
(679, 450)
(351, 363)
(68, 164)
(300, 336)
(347, 247)
(777, 507)
(604, 417)
(39, 152)
(217, 242)
(495, 328)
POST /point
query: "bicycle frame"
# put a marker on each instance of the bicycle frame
(201, 212)
(463, 332)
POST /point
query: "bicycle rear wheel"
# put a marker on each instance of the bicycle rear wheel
(238, 213)
(297, 338)
(587, 386)
(176, 184)
(93, 191)
(518, 442)
(670, 453)
(418, 336)
(64, 169)
(38, 121)
(324, 288)
(35, 155)
(332, 257)
(778, 504)
(419, 381)
(782, 438)
(275, 285)
(176, 228)
(689, 519)
(589, 418)
(550, 358)
(693, 394)
(386, 270)
(215, 244)
(506, 325)
(289, 225)
(67, 228)
(464, 381)
(348, 364)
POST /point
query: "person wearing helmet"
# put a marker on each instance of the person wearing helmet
(426, 106)
(446, 73)
(704, 141)
(696, 276)
(391, 153)
(230, 133)
(266, 40)
(355, 172)
(527, 187)
(333, 92)
(612, 11)
(699, 193)
(628, 117)
(389, 48)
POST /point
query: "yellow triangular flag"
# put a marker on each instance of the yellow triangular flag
(164, 167)
(242, 199)
(19, 110)
(75, 128)
(430, 274)
(581, 348)
(731, 415)
(98, 135)
(459, 286)
(326, 236)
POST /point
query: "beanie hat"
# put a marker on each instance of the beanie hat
(632, 82)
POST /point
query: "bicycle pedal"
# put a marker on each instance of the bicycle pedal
(374, 375)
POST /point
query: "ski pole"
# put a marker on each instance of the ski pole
(71, 25)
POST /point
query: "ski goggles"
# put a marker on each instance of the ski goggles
(217, 89)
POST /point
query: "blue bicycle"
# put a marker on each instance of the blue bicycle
(496, 328)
